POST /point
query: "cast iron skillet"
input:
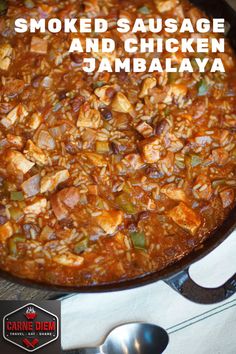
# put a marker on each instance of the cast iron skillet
(176, 275)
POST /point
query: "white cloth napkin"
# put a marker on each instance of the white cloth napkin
(193, 328)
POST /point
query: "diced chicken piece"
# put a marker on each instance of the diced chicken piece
(93, 189)
(176, 92)
(148, 84)
(121, 103)
(19, 112)
(18, 161)
(202, 188)
(166, 165)
(50, 182)
(88, 118)
(34, 121)
(220, 156)
(103, 93)
(92, 6)
(5, 50)
(151, 149)
(227, 197)
(5, 63)
(47, 10)
(110, 220)
(172, 143)
(165, 5)
(38, 45)
(194, 15)
(38, 206)
(185, 217)
(47, 234)
(173, 192)
(228, 60)
(5, 54)
(69, 260)
(14, 87)
(58, 207)
(68, 197)
(145, 129)
(35, 154)
(6, 231)
(96, 159)
(134, 161)
(31, 186)
(179, 12)
(15, 140)
(177, 57)
(45, 140)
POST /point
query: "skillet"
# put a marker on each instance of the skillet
(176, 275)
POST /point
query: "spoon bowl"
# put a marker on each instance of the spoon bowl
(136, 338)
(131, 338)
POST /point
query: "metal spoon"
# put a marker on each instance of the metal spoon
(131, 338)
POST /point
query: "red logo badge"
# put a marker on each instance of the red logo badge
(30, 313)
(30, 327)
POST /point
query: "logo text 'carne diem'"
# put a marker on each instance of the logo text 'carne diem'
(30, 327)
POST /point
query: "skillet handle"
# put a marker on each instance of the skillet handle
(185, 286)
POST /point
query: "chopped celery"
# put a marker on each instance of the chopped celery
(144, 10)
(194, 64)
(47, 233)
(17, 196)
(217, 183)
(57, 107)
(127, 188)
(16, 213)
(139, 240)
(12, 243)
(98, 84)
(7, 186)
(172, 77)
(234, 153)
(124, 203)
(195, 160)
(29, 4)
(3, 7)
(100, 204)
(202, 88)
(81, 246)
(166, 111)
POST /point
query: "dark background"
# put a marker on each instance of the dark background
(9, 306)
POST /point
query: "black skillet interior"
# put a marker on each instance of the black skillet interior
(182, 282)
(220, 9)
(175, 275)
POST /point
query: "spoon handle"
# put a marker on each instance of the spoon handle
(97, 350)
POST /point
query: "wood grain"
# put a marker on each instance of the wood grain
(232, 3)
(12, 291)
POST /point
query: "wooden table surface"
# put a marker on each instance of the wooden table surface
(13, 291)
(232, 3)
